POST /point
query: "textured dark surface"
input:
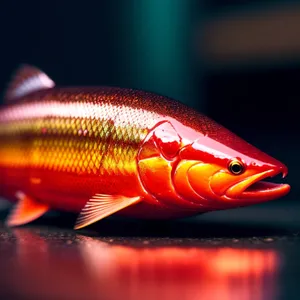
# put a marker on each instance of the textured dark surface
(249, 253)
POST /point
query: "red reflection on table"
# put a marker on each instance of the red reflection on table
(92, 269)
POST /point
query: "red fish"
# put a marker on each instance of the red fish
(98, 151)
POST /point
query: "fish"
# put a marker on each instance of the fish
(103, 151)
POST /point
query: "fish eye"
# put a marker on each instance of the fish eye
(236, 167)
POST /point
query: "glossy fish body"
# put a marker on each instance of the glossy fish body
(109, 150)
(64, 145)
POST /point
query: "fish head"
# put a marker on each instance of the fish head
(216, 169)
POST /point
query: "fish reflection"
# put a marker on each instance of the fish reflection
(93, 269)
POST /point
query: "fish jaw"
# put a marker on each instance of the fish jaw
(254, 189)
(218, 189)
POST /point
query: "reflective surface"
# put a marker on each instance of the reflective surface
(203, 258)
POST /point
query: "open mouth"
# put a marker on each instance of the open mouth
(256, 188)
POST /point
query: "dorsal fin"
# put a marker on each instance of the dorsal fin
(26, 80)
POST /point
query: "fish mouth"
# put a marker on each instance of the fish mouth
(256, 188)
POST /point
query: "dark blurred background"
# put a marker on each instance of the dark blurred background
(236, 61)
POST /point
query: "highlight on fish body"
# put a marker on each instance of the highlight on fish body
(99, 151)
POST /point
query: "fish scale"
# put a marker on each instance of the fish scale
(55, 137)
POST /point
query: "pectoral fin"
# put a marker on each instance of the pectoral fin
(25, 211)
(101, 206)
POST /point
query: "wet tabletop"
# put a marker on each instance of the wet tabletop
(249, 253)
